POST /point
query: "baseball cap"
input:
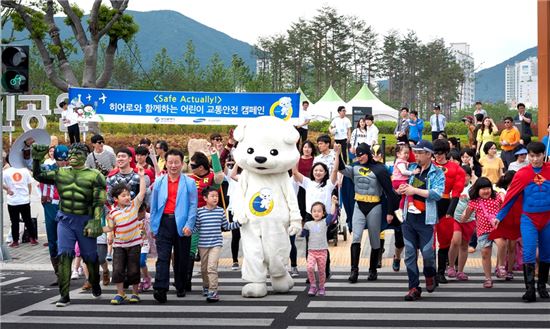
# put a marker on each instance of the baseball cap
(521, 151)
(423, 145)
(61, 153)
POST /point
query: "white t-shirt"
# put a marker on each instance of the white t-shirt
(69, 117)
(303, 117)
(358, 136)
(327, 159)
(17, 180)
(316, 193)
(372, 135)
(341, 126)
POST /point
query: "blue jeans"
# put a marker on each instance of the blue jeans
(50, 212)
(167, 238)
(70, 228)
(418, 235)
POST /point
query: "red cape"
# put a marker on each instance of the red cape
(509, 226)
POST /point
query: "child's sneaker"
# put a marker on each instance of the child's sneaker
(75, 275)
(451, 272)
(413, 210)
(204, 291)
(321, 292)
(294, 272)
(134, 299)
(312, 291)
(212, 297)
(81, 271)
(461, 276)
(235, 266)
(399, 215)
(118, 300)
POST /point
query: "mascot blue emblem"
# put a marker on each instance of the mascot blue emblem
(282, 108)
(261, 203)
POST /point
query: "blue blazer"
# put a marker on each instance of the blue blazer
(186, 203)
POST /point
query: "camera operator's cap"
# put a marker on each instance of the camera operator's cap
(521, 151)
(61, 153)
(423, 145)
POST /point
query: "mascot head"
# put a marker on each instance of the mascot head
(267, 145)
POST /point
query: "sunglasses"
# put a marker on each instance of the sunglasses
(194, 165)
(507, 122)
(100, 142)
(218, 139)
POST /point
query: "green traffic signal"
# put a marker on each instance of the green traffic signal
(15, 69)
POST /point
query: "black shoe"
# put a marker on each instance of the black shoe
(160, 295)
(373, 275)
(529, 278)
(440, 278)
(353, 276)
(96, 290)
(396, 264)
(63, 301)
(180, 293)
(414, 294)
(188, 286)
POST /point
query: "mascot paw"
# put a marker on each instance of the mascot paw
(294, 229)
(93, 228)
(242, 220)
(254, 290)
(38, 151)
(282, 284)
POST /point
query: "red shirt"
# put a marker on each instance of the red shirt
(202, 183)
(304, 166)
(455, 178)
(172, 194)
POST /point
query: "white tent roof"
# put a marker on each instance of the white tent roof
(326, 107)
(380, 111)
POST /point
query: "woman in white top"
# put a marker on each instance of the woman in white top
(358, 135)
(372, 130)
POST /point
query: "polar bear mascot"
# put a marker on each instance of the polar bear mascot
(265, 202)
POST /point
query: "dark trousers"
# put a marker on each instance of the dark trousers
(303, 135)
(235, 239)
(293, 252)
(126, 264)
(74, 133)
(168, 238)
(21, 211)
(344, 144)
(435, 134)
(507, 157)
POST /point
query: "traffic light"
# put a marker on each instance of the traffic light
(15, 69)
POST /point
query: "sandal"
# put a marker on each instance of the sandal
(488, 283)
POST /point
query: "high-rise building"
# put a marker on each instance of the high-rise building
(466, 90)
(521, 83)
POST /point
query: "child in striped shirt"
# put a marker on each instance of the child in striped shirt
(210, 222)
(128, 237)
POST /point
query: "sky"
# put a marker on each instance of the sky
(495, 29)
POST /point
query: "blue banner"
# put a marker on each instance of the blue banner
(175, 107)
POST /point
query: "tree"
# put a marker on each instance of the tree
(109, 24)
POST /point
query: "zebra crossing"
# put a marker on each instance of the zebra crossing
(365, 304)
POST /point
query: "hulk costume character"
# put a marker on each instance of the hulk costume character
(82, 194)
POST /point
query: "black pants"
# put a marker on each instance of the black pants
(507, 158)
(303, 135)
(167, 238)
(74, 133)
(435, 134)
(293, 252)
(344, 144)
(21, 211)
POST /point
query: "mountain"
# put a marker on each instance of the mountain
(171, 30)
(490, 81)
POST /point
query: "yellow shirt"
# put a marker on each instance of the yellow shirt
(511, 136)
(492, 168)
(487, 136)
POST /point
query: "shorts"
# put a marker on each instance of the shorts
(484, 242)
(126, 264)
(143, 259)
(467, 229)
(101, 253)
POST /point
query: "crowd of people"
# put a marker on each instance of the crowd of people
(443, 201)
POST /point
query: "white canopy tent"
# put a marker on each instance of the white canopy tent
(326, 107)
(380, 111)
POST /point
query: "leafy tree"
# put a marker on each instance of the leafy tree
(104, 23)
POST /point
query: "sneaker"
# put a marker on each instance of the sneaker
(396, 265)
(294, 272)
(33, 242)
(14, 244)
(109, 257)
(413, 210)
(63, 301)
(500, 272)
(399, 215)
(488, 283)
(451, 272)
(312, 291)
(430, 284)
(75, 275)
(118, 300)
(181, 293)
(509, 276)
(86, 286)
(204, 291)
(106, 278)
(413, 294)
(81, 271)
(235, 266)
(461, 276)
(160, 295)
(212, 297)
(321, 292)
(134, 299)
(440, 278)
(471, 250)
(96, 290)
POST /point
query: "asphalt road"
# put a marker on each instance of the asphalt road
(27, 300)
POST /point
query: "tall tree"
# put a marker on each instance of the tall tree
(103, 22)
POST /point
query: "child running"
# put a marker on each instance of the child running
(210, 222)
(127, 228)
(148, 248)
(486, 203)
(318, 245)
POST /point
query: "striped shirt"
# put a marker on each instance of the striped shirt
(209, 226)
(126, 226)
